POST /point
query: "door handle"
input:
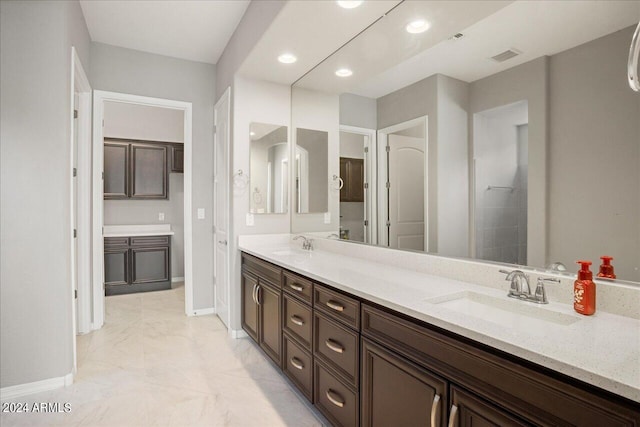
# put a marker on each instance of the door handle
(222, 242)
(253, 293)
(453, 416)
(258, 289)
(434, 410)
(334, 346)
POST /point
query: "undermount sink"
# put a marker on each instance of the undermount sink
(503, 311)
(289, 252)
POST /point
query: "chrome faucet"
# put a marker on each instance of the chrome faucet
(333, 235)
(520, 288)
(307, 244)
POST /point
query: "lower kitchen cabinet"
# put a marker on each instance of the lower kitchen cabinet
(396, 392)
(137, 264)
(362, 364)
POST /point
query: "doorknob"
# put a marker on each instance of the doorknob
(222, 242)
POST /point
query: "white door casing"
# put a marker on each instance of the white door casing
(221, 197)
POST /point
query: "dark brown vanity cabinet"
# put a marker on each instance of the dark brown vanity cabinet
(177, 158)
(135, 170)
(352, 174)
(261, 306)
(137, 264)
(361, 364)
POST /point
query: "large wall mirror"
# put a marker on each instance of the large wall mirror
(269, 173)
(494, 130)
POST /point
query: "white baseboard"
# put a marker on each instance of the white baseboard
(177, 279)
(238, 333)
(20, 390)
(203, 311)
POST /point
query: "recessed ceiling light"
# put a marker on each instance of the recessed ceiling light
(418, 26)
(252, 133)
(344, 72)
(287, 58)
(349, 4)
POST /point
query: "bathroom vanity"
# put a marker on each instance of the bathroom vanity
(373, 344)
(137, 258)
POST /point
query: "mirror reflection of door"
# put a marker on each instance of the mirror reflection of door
(352, 195)
(269, 154)
(500, 145)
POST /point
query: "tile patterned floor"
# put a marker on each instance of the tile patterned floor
(150, 365)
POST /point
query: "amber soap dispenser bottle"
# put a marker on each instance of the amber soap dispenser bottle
(584, 290)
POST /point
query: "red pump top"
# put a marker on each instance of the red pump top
(584, 273)
(606, 269)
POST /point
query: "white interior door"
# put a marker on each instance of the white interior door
(406, 163)
(74, 211)
(221, 208)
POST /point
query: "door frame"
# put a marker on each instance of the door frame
(99, 98)
(80, 271)
(383, 137)
(226, 97)
(370, 176)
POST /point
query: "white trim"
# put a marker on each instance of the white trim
(20, 390)
(203, 311)
(382, 178)
(237, 333)
(100, 97)
(177, 279)
(370, 167)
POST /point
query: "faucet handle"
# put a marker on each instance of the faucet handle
(541, 292)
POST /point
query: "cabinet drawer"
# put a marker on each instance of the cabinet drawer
(338, 346)
(334, 399)
(150, 241)
(297, 365)
(298, 286)
(262, 269)
(338, 306)
(298, 321)
(116, 242)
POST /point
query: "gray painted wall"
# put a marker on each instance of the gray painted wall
(35, 265)
(129, 71)
(358, 111)
(594, 156)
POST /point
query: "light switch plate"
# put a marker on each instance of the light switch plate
(160, 216)
(327, 217)
(200, 213)
(250, 220)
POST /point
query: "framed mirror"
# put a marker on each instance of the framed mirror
(311, 171)
(505, 133)
(269, 170)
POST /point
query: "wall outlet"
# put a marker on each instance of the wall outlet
(200, 213)
(250, 220)
(160, 216)
(327, 217)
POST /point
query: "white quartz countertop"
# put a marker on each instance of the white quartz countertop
(137, 230)
(602, 350)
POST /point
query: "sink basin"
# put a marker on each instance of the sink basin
(503, 311)
(289, 252)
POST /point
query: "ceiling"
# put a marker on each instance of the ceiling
(311, 30)
(535, 28)
(193, 30)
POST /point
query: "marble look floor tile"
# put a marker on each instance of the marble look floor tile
(150, 365)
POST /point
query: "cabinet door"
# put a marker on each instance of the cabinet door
(249, 305)
(356, 180)
(149, 171)
(270, 335)
(116, 170)
(177, 158)
(344, 174)
(150, 265)
(468, 410)
(116, 269)
(396, 392)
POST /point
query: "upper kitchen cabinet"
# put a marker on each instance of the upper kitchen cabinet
(177, 158)
(135, 170)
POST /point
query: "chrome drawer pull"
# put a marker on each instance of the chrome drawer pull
(338, 401)
(453, 416)
(297, 363)
(298, 321)
(334, 305)
(297, 288)
(434, 410)
(334, 346)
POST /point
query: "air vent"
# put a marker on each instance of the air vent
(456, 36)
(507, 54)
